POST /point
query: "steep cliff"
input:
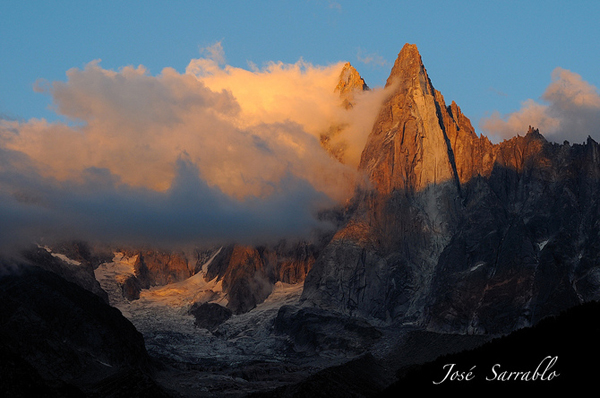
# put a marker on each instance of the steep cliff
(349, 82)
(249, 273)
(455, 233)
(382, 262)
(527, 239)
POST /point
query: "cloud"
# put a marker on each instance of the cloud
(297, 93)
(569, 110)
(498, 92)
(335, 5)
(216, 153)
(532, 113)
(99, 208)
(280, 92)
(371, 59)
(214, 53)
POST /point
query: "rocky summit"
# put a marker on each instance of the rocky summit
(349, 82)
(457, 234)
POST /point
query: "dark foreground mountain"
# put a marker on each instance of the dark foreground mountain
(60, 340)
(556, 353)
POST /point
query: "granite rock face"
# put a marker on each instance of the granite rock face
(152, 268)
(455, 233)
(312, 330)
(382, 262)
(350, 81)
(159, 268)
(408, 148)
(209, 315)
(526, 242)
(248, 274)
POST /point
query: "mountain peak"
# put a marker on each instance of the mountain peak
(408, 65)
(349, 81)
(408, 148)
(409, 54)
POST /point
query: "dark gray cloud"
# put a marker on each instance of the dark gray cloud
(99, 208)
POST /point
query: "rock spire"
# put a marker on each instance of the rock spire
(408, 147)
(349, 82)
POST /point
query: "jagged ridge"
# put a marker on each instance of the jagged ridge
(456, 233)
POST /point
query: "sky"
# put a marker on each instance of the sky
(198, 121)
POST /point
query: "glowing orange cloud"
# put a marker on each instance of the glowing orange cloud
(244, 130)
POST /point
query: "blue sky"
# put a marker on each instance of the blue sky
(486, 55)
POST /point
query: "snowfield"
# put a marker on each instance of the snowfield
(161, 315)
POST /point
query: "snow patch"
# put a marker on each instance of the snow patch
(111, 276)
(541, 245)
(185, 293)
(207, 263)
(104, 363)
(65, 259)
(60, 256)
(477, 265)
